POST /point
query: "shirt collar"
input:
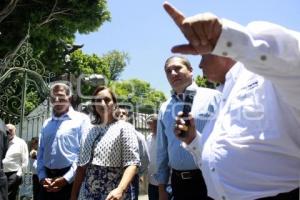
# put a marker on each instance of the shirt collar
(181, 97)
(12, 141)
(234, 72)
(232, 75)
(67, 115)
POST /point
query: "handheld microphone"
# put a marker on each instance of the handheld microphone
(187, 107)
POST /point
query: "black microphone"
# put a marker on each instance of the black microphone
(187, 107)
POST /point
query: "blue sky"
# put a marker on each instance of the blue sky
(145, 31)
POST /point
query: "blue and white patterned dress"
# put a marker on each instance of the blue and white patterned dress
(106, 151)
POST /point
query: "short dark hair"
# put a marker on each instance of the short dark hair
(97, 119)
(66, 87)
(34, 139)
(184, 60)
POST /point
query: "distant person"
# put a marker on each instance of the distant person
(122, 114)
(109, 156)
(33, 166)
(15, 162)
(59, 145)
(151, 143)
(3, 149)
(186, 179)
(252, 150)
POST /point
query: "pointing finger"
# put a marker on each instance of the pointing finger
(175, 14)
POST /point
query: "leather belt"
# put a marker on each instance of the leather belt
(187, 174)
(57, 172)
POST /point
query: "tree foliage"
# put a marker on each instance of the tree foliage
(51, 25)
(50, 22)
(203, 82)
(110, 65)
(139, 95)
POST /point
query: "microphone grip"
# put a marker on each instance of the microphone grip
(186, 110)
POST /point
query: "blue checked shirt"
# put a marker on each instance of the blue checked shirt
(170, 153)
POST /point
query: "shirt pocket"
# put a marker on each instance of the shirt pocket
(246, 113)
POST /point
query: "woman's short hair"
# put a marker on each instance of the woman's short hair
(97, 119)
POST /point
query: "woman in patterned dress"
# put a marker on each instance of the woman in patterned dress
(109, 156)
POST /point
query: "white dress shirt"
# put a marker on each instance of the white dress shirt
(16, 158)
(252, 149)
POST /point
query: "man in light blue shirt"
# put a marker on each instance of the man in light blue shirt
(186, 177)
(59, 145)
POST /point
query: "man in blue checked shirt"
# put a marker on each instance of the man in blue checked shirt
(186, 177)
(59, 145)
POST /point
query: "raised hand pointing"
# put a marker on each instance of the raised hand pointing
(202, 31)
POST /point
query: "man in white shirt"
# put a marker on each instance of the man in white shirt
(251, 151)
(3, 149)
(15, 162)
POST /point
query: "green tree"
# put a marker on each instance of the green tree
(139, 95)
(110, 65)
(50, 22)
(203, 82)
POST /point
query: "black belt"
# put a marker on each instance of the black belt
(187, 174)
(10, 173)
(57, 172)
(292, 195)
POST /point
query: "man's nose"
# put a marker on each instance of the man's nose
(173, 72)
(102, 102)
(56, 99)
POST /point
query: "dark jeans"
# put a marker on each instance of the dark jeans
(188, 185)
(35, 187)
(14, 182)
(3, 186)
(63, 194)
(134, 187)
(153, 193)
